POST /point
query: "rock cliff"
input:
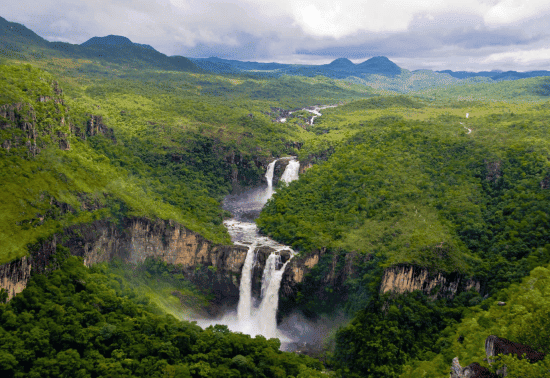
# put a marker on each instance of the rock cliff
(494, 346)
(133, 241)
(407, 278)
(14, 276)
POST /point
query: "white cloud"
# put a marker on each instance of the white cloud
(509, 11)
(435, 30)
(526, 57)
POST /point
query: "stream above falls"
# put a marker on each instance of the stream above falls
(257, 316)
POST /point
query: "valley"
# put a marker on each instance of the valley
(172, 217)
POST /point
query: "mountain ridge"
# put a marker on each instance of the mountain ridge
(18, 41)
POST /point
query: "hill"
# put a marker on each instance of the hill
(379, 65)
(19, 42)
(496, 75)
(113, 40)
(341, 64)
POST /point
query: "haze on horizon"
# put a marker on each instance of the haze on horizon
(472, 35)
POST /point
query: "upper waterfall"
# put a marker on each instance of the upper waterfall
(291, 171)
(269, 173)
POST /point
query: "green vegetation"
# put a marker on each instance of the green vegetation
(79, 323)
(398, 180)
(164, 285)
(176, 154)
(524, 319)
(409, 184)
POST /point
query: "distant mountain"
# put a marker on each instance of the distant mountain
(17, 41)
(496, 75)
(379, 65)
(220, 65)
(113, 41)
(341, 64)
(338, 69)
(14, 32)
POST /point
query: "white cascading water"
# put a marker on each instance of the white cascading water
(261, 320)
(269, 173)
(315, 111)
(270, 295)
(291, 172)
(245, 289)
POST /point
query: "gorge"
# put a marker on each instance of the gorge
(257, 315)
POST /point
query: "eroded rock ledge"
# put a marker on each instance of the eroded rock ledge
(407, 278)
(133, 241)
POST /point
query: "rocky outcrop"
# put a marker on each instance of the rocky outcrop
(342, 267)
(14, 276)
(21, 118)
(94, 126)
(296, 271)
(494, 346)
(473, 370)
(305, 167)
(200, 260)
(244, 171)
(279, 169)
(262, 254)
(408, 278)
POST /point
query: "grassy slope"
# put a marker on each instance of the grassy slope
(158, 116)
(424, 178)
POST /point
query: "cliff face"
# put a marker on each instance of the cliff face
(201, 261)
(407, 278)
(337, 268)
(14, 276)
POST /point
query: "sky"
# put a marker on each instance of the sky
(471, 35)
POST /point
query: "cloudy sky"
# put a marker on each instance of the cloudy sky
(470, 35)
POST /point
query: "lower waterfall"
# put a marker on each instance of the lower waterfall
(250, 318)
(245, 289)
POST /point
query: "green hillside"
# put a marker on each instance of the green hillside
(19, 42)
(455, 180)
(414, 181)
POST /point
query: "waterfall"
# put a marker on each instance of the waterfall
(251, 318)
(270, 300)
(269, 173)
(270, 266)
(291, 171)
(245, 295)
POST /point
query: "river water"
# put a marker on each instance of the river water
(314, 110)
(253, 316)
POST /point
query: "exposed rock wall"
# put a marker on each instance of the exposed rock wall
(262, 254)
(21, 119)
(305, 167)
(133, 242)
(296, 271)
(494, 346)
(14, 276)
(407, 278)
(473, 370)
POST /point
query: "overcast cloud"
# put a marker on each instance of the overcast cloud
(435, 34)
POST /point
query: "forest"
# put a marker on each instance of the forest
(454, 180)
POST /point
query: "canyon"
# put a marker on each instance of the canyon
(206, 263)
